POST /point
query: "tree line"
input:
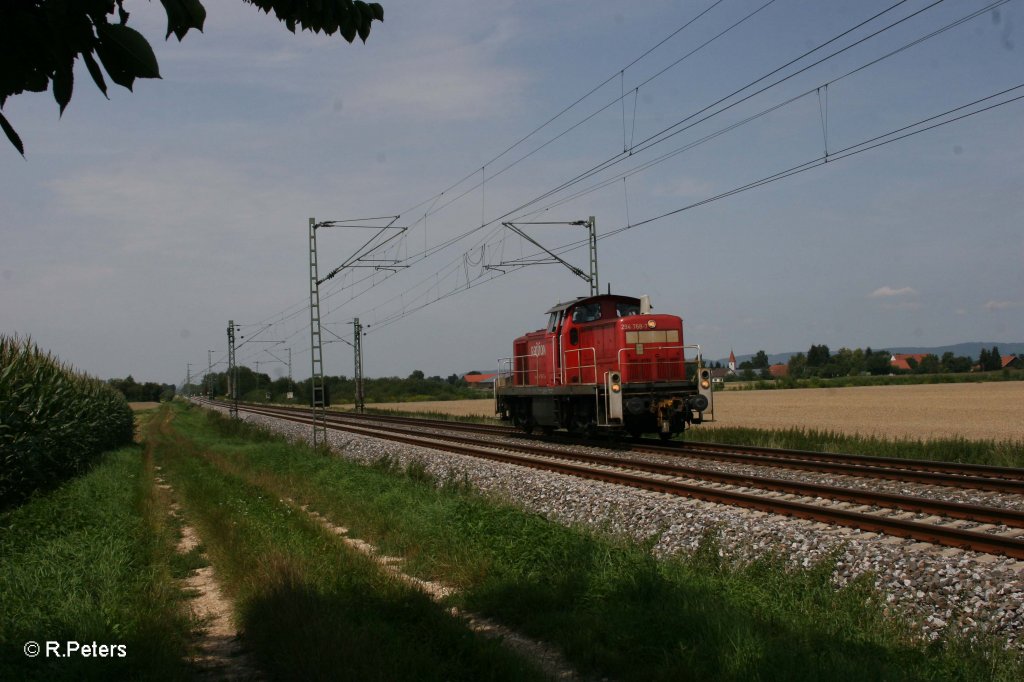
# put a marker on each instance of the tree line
(820, 362)
(259, 387)
(148, 392)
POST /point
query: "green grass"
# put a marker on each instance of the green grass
(310, 607)
(89, 562)
(439, 416)
(614, 609)
(990, 452)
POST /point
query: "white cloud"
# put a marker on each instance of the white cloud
(888, 292)
(902, 305)
(447, 81)
(993, 306)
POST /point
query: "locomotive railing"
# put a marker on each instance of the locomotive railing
(579, 368)
(654, 369)
(508, 374)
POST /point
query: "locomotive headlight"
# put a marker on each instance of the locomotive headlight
(616, 388)
(705, 379)
(615, 382)
(705, 384)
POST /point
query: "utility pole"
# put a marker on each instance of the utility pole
(188, 378)
(316, 381)
(592, 227)
(360, 259)
(209, 374)
(357, 345)
(232, 372)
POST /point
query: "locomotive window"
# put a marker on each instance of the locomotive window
(586, 313)
(623, 309)
(552, 323)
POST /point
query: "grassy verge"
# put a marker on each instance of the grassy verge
(440, 416)
(990, 452)
(613, 609)
(309, 607)
(89, 563)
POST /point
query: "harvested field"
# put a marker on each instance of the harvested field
(981, 411)
(984, 411)
(138, 407)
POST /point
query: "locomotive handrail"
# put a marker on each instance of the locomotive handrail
(681, 361)
(579, 364)
(510, 372)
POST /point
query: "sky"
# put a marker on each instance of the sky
(136, 227)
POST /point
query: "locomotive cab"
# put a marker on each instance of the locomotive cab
(602, 362)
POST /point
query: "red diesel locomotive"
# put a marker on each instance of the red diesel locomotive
(603, 363)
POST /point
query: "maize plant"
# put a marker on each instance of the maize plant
(54, 421)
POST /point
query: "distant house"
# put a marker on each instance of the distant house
(779, 371)
(484, 382)
(1012, 362)
(900, 360)
(718, 375)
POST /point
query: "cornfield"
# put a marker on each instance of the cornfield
(54, 421)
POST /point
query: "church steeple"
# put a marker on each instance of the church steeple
(732, 361)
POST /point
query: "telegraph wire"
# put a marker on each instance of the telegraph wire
(643, 145)
(429, 252)
(847, 152)
(570, 106)
(615, 160)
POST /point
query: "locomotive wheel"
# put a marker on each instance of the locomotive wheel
(523, 419)
(582, 422)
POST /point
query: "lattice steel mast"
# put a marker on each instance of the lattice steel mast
(316, 383)
(232, 372)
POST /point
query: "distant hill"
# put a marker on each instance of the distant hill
(971, 349)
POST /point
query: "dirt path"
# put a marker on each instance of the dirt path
(221, 655)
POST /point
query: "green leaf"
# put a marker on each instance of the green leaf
(348, 23)
(63, 84)
(362, 11)
(183, 15)
(125, 54)
(378, 11)
(12, 135)
(95, 72)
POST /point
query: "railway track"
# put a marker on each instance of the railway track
(950, 474)
(995, 530)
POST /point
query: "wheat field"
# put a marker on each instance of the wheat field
(984, 411)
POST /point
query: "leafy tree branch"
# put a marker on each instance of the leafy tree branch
(40, 40)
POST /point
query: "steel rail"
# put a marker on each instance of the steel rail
(950, 474)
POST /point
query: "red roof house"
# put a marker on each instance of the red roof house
(480, 380)
(899, 360)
